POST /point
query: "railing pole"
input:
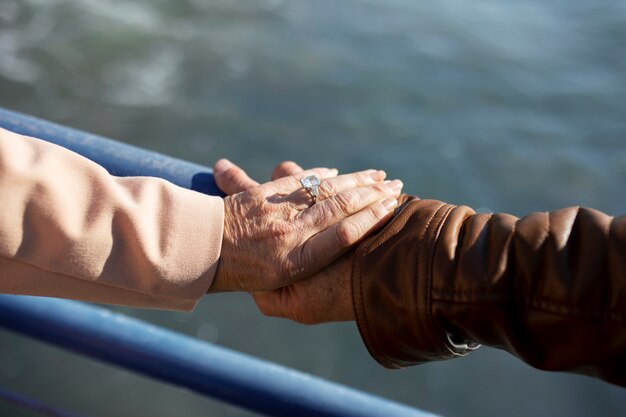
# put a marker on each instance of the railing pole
(116, 157)
(175, 358)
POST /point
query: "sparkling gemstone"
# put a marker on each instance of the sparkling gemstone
(310, 182)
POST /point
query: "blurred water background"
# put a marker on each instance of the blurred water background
(501, 105)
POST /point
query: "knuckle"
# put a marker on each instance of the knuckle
(347, 234)
(380, 188)
(346, 201)
(364, 178)
(376, 211)
(327, 189)
(323, 217)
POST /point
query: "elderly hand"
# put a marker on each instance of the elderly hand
(323, 298)
(274, 237)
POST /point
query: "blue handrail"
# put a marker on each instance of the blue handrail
(116, 157)
(163, 354)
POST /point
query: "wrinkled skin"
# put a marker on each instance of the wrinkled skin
(325, 294)
(274, 236)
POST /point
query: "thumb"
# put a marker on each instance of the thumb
(230, 178)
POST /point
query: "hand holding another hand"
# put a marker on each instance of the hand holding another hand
(274, 237)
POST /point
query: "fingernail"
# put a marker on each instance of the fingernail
(377, 175)
(334, 171)
(222, 166)
(395, 185)
(389, 203)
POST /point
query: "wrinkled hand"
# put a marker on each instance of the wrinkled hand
(323, 297)
(273, 237)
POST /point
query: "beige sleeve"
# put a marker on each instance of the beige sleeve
(70, 229)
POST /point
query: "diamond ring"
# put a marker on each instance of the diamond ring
(311, 183)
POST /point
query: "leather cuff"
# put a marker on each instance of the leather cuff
(391, 289)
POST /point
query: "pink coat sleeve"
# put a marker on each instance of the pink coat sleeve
(70, 229)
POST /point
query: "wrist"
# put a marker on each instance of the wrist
(223, 280)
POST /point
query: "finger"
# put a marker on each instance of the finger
(323, 248)
(230, 178)
(302, 199)
(285, 169)
(291, 183)
(332, 186)
(337, 207)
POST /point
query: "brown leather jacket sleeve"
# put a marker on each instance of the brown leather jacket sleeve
(549, 288)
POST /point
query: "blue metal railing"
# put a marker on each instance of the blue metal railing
(230, 376)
